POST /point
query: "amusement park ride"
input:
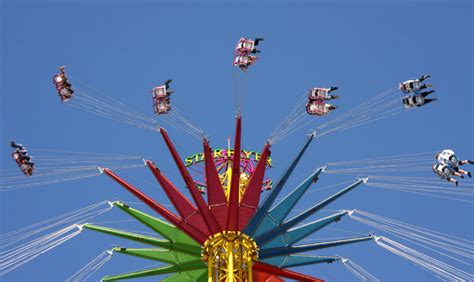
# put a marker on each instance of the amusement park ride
(226, 232)
(231, 237)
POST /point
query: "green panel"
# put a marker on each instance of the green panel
(203, 277)
(162, 255)
(194, 265)
(166, 230)
(175, 277)
(146, 239)
(188, 276)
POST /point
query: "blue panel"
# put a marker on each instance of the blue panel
(296, 234)
(280, 241)
(298, 260)
(299, 233)
(276, 261)
(283, 251)
(266, 224)
(280, 211)
(270, 199)
(273, 233)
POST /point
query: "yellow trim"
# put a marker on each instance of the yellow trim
(226, 180)
(230, 256)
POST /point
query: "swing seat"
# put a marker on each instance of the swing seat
(25, 168)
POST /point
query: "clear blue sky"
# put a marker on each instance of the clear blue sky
(123, 48)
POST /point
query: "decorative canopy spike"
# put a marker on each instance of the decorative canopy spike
(233, 213)
(299, 260)
(270, 269)
(194, 265)
(146, 239)
(199, 275)
(295, 235)
(209, 218)
(166, 256)
(171, 217)
(251, 198)
(282, 209)
(170, 232)
(269, 235)
(215, 192)
(270, 199)
(185, 208)
(263, 276)
(279, 212)
(282, 251)
(216, 198)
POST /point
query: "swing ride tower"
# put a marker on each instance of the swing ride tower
(230, 236)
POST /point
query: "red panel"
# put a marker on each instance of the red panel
(209, 218)
(215, 193)
(270, 269)
(265, 277)
(251, 199)
(171, 217)
(233, 214)
(188, 211)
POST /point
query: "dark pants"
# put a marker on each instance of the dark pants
(16, 146)
(424, 94)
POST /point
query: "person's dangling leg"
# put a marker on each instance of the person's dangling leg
(463, 162)
(16, 146)
(453, 181)
(430, 100)
(423, 77)
(424, 94)
(464, 172)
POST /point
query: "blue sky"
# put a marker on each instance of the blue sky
(124, 48)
